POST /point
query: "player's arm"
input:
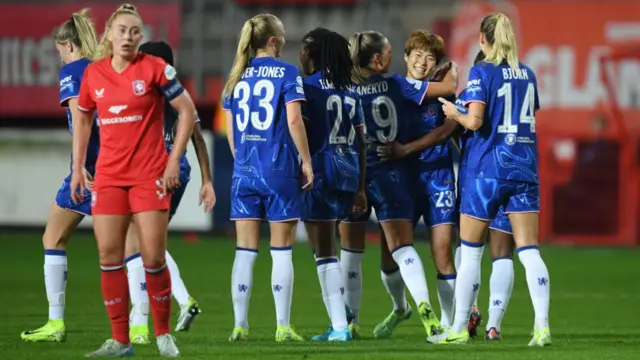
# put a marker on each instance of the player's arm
(81, 123)
(362, 156)
(82, 109)
(186, 121)
(228, 116)
(293, 91)
(298, 130)
(447, 86)
(472, 115)
(447, 74)
(436, 137)
(471, 120)
(201, 152)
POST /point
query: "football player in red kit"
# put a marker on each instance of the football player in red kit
(134, 173)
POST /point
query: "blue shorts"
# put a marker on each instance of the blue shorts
(436, 209)
(435, 197)
(327, 205)
(481, 198)
(274, 199)
(501, 222)
(63, 199)
(388, 192)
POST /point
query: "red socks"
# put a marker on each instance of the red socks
(115, 292)
(159, 290)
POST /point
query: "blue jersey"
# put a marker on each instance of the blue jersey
(263, 146)
(388, 105)
(70, 80)
(505, 146)
(331, 116)
(429, 117)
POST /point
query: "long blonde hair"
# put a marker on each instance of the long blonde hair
(80, 31)
(499, 33)
(254, 35)
(105, 48)
(362, 47)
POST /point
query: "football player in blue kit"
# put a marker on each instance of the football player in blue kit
(335, 128)
(500, 168)
(385, 103)
(263, 98)
(432, 179)
(189, 308)
(76, 42)
(501, 249)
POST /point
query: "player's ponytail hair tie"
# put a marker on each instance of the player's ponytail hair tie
(129, 7)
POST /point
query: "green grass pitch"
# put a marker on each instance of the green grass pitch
(594, 296)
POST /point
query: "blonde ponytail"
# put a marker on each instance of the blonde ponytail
(105, 48)
(254, 35)
(499, 33)
(80, 31)
(86, 33)
(241, 61)
(362, 47)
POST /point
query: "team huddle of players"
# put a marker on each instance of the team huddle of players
(325, 149)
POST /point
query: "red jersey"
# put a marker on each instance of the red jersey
(130, 115)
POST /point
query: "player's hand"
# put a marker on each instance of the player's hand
(307, 176)
(450, 110)
(77, 186)
(360, 203)
(207, 197)
(171, 176)
(88, 179)
(391, 151)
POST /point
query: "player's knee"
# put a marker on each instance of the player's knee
(54, 241)
(501, 244)
(387, 264)
(154, 260)
(111, 256)
(325, 248)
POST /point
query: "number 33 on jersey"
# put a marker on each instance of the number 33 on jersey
(262, 144)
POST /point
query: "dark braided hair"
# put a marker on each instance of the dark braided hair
(329, 52)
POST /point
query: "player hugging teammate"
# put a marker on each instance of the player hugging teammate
(328, 149)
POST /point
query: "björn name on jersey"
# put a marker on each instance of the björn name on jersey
(515, 74)
(264, 72)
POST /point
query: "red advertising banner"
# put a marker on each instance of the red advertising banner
(563, 42)
(29, 62)
(589, 173)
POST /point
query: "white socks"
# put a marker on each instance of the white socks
(282, 283)
(467, 283)
(446, 293)
(138, 291)
(500, 288)
(538, 282)
(412, 272)
(395, 288)
(55, 281)
(241, 284)
(178, 289)
(331, 285)
(351, 265)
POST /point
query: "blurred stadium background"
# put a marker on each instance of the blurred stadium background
(587, 58)
(589, 75)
